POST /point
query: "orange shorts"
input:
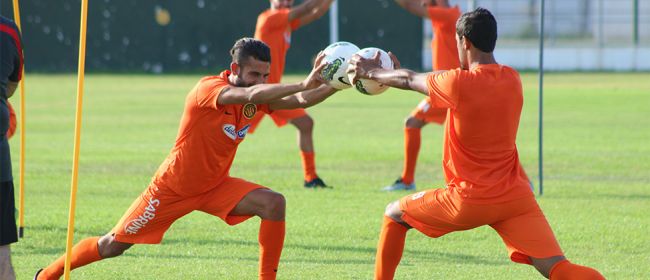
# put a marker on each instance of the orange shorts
(12, 121)
(520, 223)
(156, 209)
(427, 114)
(280, 117)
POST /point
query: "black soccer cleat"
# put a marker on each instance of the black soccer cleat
(316, 183)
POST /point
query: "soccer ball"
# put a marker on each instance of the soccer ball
(370, 87)
(336, 57)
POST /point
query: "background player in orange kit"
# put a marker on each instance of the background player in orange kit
(274, 27)
(195, 176)
(486, 184)
(444, 56)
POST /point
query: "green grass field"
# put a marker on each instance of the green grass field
(597, 181)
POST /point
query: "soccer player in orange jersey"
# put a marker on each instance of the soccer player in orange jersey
(486, 184)
(274, 27)
(444, 57)
(195, 176)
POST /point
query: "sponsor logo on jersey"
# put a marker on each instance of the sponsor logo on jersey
(249, 110)
(229, 130)
(133, 226)
(242, 132)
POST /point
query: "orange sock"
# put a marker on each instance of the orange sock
(411, 150)
(309, 165)
(389, 249)
(85, 252)
(271, 239)
(565, 270)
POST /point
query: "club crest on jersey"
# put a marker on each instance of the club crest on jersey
(229, 130)
(249, 110)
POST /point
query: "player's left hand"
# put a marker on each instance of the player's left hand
(315, 79)
(359, 67)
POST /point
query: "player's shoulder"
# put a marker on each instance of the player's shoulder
(208, 83)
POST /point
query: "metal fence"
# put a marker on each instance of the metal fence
(579, 34)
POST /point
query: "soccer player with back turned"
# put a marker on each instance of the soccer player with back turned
(195, 176)
(486, 184)
(274, 27)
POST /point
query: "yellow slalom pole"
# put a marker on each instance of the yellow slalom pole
(21, 176)
(77, 137)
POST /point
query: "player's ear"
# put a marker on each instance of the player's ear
(234, 68)
(466, 43)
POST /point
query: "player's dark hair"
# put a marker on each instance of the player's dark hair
(249, 47)
(480, 28)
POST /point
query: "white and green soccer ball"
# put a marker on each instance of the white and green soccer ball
(370, 87)
(337, 56)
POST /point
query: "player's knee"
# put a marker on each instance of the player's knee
(392, 211)
(274, 206)
(412, 122)
(304, 123)
(108, 247)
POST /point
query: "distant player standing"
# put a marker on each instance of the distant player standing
(11, 67)
(274, 27)
(195, 176)
(444, 56)
(486, 184)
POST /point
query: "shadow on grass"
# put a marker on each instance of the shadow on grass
(421, 254)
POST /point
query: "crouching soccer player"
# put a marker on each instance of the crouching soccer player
(486, 184)
(218, 112)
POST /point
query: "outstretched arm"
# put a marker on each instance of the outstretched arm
(303, 99)
(322, 6)
(305, 8)
(414, 7)
(400, 78)
(266, 93)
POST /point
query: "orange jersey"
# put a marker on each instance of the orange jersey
(274, 29)
(207, 139)
(444, 54)
(480, 159)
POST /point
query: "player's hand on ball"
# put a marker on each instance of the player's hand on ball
(315, 79)
(360, 67)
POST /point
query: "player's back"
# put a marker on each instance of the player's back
(480, 155)
(489, 109)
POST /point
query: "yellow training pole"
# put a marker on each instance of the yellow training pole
(21, 176)
(77, 137)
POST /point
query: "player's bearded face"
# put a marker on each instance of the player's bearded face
(252, 72)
